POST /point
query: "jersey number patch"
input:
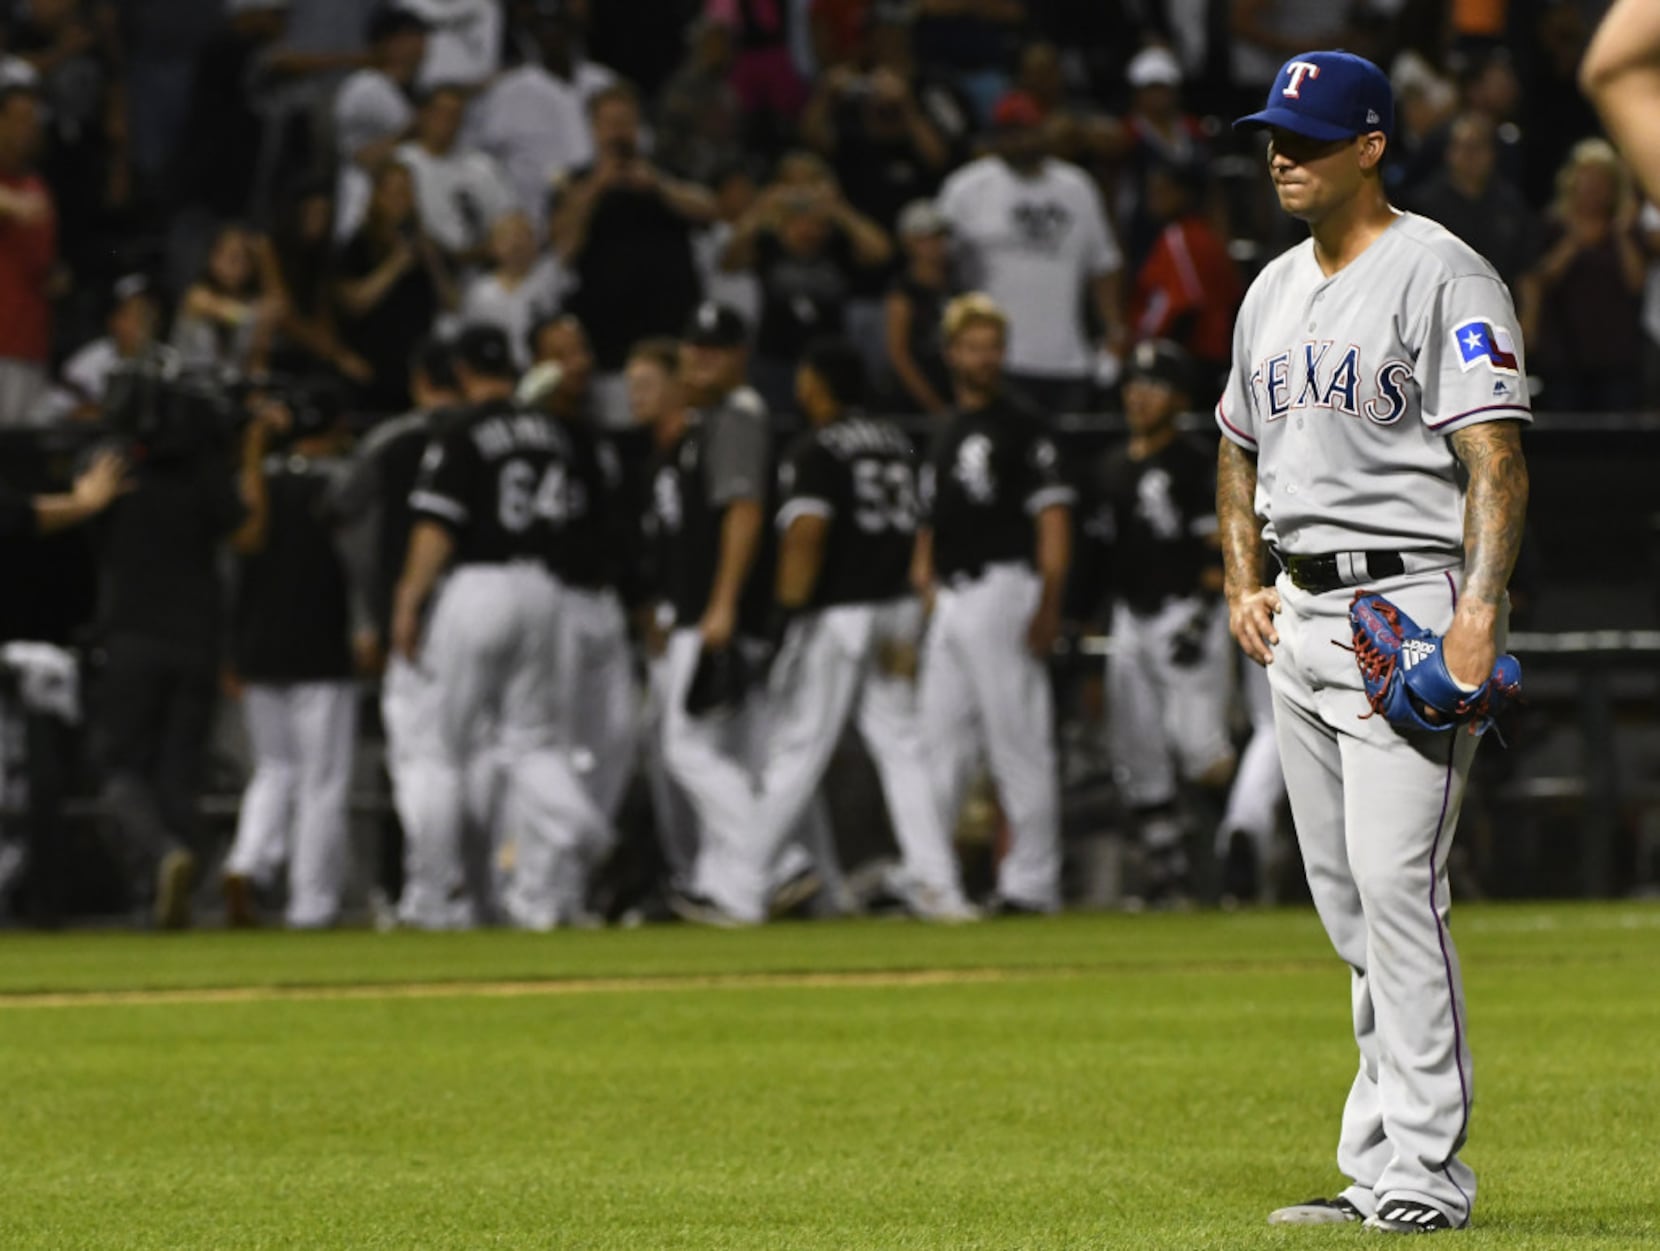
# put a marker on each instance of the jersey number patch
(884, 495)
(522, 500)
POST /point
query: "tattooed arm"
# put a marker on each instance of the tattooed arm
(1251, 606)
(1495, 508)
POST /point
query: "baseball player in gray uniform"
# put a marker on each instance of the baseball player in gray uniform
(1372, 424)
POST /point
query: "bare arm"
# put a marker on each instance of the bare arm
(686, 199)
(250, 536)
(1621, 75)
(1107, 291)
(1251, 606)
(574, 213)
(740, 539)
(430, 549)
(739, 253)
(97, 485)
(800, 558)
(1495, 510)
(871, 245)
(359, 296)
(897, 337)
(922, 565)
(1053, 558)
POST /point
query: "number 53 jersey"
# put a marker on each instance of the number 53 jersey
(1347, 387)
(860, 475)
(508, 484)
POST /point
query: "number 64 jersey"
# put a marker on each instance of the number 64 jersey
(508, 484)
(859, 474)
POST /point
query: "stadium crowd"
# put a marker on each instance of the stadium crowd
(626, 212)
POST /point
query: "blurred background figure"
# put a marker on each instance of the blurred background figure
(134, 316)
(522, 287)
(1581, 304)
(460, 192)
(916, 373)
(466, 43)
(299, 262)
(700, 117)
(28, 251)
(391, 283)
(1471, 198)
(292, 659)
(228, 316)
(374, 109)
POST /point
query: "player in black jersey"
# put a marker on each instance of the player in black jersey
(847, 517)
(711, 494)
(1168, 679)
(492, 501)
(993, 553)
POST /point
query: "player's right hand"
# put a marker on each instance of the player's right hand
(1251, 619)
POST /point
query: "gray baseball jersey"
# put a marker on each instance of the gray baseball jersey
(1345, 387)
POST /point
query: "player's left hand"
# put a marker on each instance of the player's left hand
(719, 623)
(1043, 631)
(1470, 650)
(406, 629)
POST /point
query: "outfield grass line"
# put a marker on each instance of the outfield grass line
(532, 987)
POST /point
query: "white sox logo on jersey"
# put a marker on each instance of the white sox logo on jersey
(1156, 505)
(1414, 650)
(973, 469)
(1316, 376)
(1296, 72)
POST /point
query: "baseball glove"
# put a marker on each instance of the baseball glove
(1406, 676)
(718, 683)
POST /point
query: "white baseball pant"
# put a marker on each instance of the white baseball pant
(598, 703)
(714, 760)
(1259, 785)
(1375, 810)
(831, 667)
(495, 677)
(295, 808)
(982, 690)
(672, 813)
(1166, 720)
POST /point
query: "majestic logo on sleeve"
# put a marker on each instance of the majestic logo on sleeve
(1295, 73)
(1482, 342)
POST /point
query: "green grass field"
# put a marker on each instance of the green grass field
(1084, 1082)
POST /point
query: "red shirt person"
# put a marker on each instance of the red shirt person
(28, 251)
(1188, 289)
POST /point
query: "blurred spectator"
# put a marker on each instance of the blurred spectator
(1582, 305)
(28, 251)
(300, 260)
(948, 110)
(1092, 40)
(735, 193)
(292, 659)
(522, 288)
(1490, 89)
(466, 42)
(769, 87)
(1266, 32)
(973, 42)
(623, 229)
(1474, 201)
(836, 31)
(459, 191)
(533, 119)
(1156, 133)
(1556, 114)
(805, 243)
(391, 283)
(700, 119)
(131, 329)
(1188, 289)
(1426, 94)
(160, 40)
(884, 150)
(219, 157)
(228, 315)
(1033, 235)
(72, 45)
(372, 110)
(919, 379)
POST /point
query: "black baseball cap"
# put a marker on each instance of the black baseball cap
(1160, 360)
(716, 325)
(485, 350)
(392, 19)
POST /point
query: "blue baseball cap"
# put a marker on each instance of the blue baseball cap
(1327, 95)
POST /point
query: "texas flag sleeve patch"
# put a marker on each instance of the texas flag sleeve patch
(1480, 342)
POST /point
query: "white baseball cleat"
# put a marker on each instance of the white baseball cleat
(1338, 1211)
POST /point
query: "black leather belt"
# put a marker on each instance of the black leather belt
(1319, 574)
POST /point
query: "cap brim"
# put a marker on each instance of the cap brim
(1296, 123)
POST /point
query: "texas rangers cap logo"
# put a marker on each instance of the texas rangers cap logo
(1295, 73)
(1481, 341)
(1327, 96)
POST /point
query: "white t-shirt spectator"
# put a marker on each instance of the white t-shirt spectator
(488, 302)
(464, 43)
(536, 127)
(459, 195)
(1032, 244)
(740, 290)
(84, 380)
(368, 108)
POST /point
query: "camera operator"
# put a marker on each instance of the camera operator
(160, 615)
(293, 663)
